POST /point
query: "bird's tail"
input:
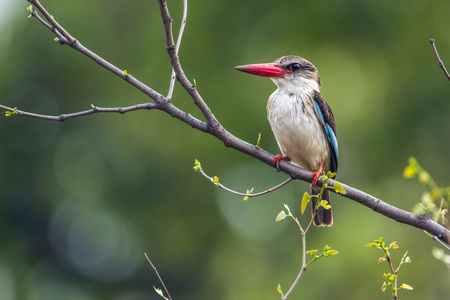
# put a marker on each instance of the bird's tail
(323, 217)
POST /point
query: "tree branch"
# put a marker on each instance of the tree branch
(212, 125)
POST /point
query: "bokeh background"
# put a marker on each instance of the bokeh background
(82, 201)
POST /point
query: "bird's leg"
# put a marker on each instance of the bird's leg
(317, 174)
(277, 159)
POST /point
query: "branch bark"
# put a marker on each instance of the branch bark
(212, 126)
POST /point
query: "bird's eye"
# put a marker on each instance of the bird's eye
(295, 67)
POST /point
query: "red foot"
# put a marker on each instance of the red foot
(317, 174)
(277, 159)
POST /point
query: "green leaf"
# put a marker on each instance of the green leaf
(324, 204)
(331, 174)
(332, 252)
(10, 113)
(249, 192)
(305, 200)
(311, 252)
(279, 290)
(412, 160)
(125, 73)
(197, 165)
(159, 291)
(424, 177)
(410, 171)
(406, 287)
(215, 180)
(393, 245)
(338, 188)
(281, 216)
(287, 208)
(259, 140)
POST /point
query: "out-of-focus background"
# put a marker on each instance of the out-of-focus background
(82, 201)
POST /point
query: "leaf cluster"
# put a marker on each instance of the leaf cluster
(393, 274)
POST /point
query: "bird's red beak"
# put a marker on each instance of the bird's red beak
(265, 70)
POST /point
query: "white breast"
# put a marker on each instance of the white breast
(297, 129)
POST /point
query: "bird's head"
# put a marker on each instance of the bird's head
(289, 72)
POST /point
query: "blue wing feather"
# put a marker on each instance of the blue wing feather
(327, 119)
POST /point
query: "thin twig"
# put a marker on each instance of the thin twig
(440, 242)
(304, 263)
(246, 194)
(302, 269)
(440, 63)
(95, 109)
(177, 48)
(160, 279)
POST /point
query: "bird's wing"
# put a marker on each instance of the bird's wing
(327, 119)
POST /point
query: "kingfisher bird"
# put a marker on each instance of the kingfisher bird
(302, 122)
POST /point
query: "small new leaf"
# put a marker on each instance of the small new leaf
(279, 290)
(197, 165)
(125, 73)
(406, 287)
(215, 180)
(324, 204)
(409, 172)
(338, 188)
(332, 252)
(394, 245)
(249, 192)
(281, 216)
(424, 177)
(287, 208)
(331, 174)
(259, 140)
(305, 200)
(10, 113)
(311, 252)
(30, 8)
(374, 245)
(159, 291)
(392, 277)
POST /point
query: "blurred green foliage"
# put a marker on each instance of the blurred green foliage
(82, 201)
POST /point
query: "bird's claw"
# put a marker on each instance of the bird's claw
(277, 159)
(315, 177)
(317, 174)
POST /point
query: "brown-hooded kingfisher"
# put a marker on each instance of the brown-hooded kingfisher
(301, 121)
